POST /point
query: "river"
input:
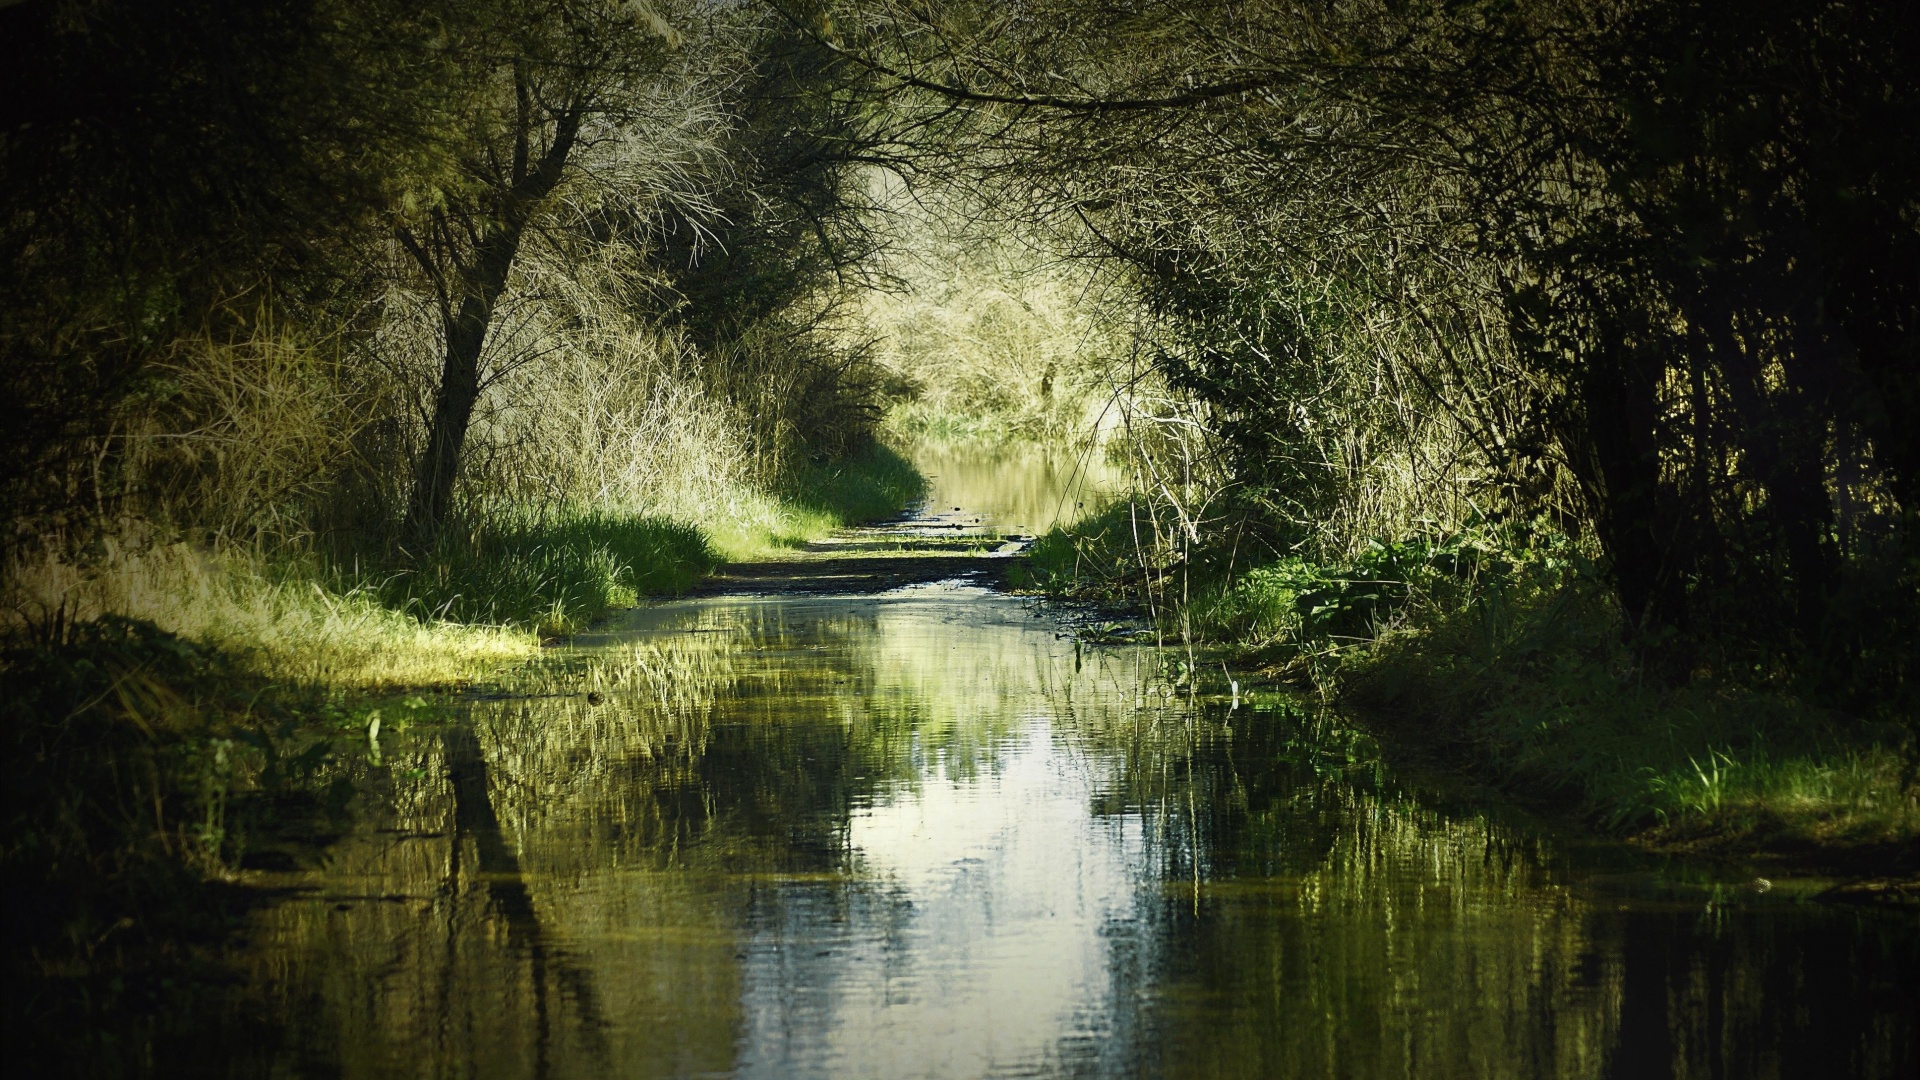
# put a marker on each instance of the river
(927, 831)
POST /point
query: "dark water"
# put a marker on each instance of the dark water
(925, 834)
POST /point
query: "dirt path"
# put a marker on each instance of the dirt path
(919, 547)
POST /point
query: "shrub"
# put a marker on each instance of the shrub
(554, 574)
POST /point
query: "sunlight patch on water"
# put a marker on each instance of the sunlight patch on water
(1004, 885)
(1021, 487)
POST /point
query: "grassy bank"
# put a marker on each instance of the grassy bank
(483, 595)
(871, 486)
(1499, 652)
(175, 714)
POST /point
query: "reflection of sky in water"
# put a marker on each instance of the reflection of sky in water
(924, 835)
(1008, 883)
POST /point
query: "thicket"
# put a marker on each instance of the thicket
(1633, 278)
(349, 347)
(412, 291)
(992, 337)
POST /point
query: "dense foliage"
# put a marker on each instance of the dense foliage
(361, 262)
(1647, 269)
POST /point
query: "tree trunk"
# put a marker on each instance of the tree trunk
(479, 286)
(466, 336)
(459, 387)
(1621, 471)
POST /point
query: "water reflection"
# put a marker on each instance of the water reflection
(925, 834)
(1020, 487)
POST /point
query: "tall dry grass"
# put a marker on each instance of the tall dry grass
(279, 622)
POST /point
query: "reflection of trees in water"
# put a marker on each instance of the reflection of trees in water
(1020, 485)
(574, 887)
(490, 850)
(743, 735)
(425, 949)
(1315, 920)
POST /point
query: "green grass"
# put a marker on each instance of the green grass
(1096, 558)
(557, 573)
(476, 601)
(1532, 685)
(1501, 652)
(280, 621)
(553, 574)
(744, 523)
(872, 486)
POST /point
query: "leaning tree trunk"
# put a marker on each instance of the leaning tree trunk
(466, 334)
(467, 317)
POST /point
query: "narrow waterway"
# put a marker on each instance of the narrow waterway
(921, 830)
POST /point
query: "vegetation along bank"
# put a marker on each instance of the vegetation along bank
(1539, 380)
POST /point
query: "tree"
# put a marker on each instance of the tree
(1651, 261)
(558, 91)
(168, 168)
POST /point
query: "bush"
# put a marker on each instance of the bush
(1314, 605)
(554, 574)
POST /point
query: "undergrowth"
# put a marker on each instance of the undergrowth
(1529, 681)
(552, 574)
(1500, 649)
(556, 573)
(142, 771)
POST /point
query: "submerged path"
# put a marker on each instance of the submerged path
(857, 813)
(924, 545)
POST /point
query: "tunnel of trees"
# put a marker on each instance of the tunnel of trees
(1648, 269)
(483, 318)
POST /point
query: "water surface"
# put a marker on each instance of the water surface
(1019, 487)
(927, 833)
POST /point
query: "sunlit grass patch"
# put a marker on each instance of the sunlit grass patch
(280, 624)
(743, 523)
(738, 520)
(874, 485)
(1845, 796)
(550, 573)
(480, 598)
